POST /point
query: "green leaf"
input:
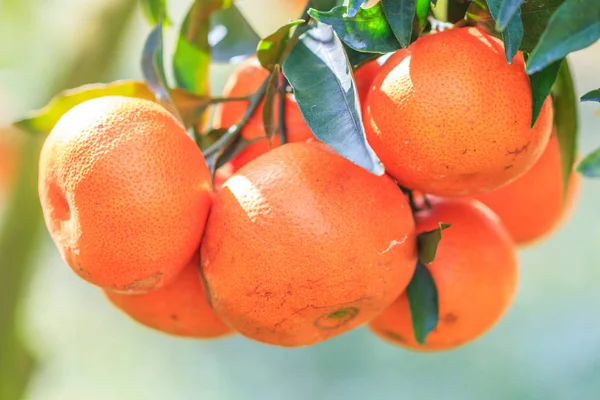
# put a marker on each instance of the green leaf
(450, 10)
(423, 301)
(368, 31)
(423, 8)
(231, 37)
(191, 59)
(354, 6)
(358, 58)
(573, 26)
(154, 71)
(269, 105)
(594, 95)
(325, 5)
(270, 50)
(43, 120)
(512, 35)
(428, 243)
(541, 83)
(156, 11)
(565, 119)
(400, 15)
(509, 9)
(590, 166)
(534, 15)
(320, 73)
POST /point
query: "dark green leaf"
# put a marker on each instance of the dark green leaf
(154, 72)
(155, 11)
(354, 6)
(43, 120)
(231, 37)
(590, 166)
(450, 10)
(191, 59)
(400, 15)
(573, 26)
(368, 31)
(565, 119)
(541, 83)
(269, 105)
(428, 243)
(594, 95)
(534, 15)
(423, 301)
(325, 5)
(358, 58)
(512, 35)
(271, 48)
(319, 72)
(508, 10)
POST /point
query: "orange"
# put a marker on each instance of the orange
(221, 175)
(449, 116)
(125, 193)
(363, 77)
(245, 81)
(302, 245)
(475, 272)
(532, 207)
(179, 308)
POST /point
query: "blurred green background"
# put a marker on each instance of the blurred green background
(546, 347)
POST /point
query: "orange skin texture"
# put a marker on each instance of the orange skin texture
(449, 116)
(179, 308)
(246, 80)
(363, 77)
(125, 193)
(532, 207)
(281, 255)
(475, 272)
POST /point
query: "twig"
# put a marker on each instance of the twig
(281, 111)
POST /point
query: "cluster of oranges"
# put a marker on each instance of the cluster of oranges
(293, 244)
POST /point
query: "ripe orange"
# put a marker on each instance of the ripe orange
(475, 272)
(363, 78)
(449, 116)
(221, 175)
(532, 207)
(125, 193)
(302, 245)
(246, 80)
(179, 308)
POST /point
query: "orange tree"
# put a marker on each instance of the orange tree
(464, 103)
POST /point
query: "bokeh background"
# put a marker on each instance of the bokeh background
(546, 347)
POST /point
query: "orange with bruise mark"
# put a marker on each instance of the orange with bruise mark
(246, 80)
(533, 206)
(302, 245)
(125, 193)
(179, 308)
(475, 272)
(449, 116)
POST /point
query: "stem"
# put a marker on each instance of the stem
(281, 111)
(218, 100)
(255, 101)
